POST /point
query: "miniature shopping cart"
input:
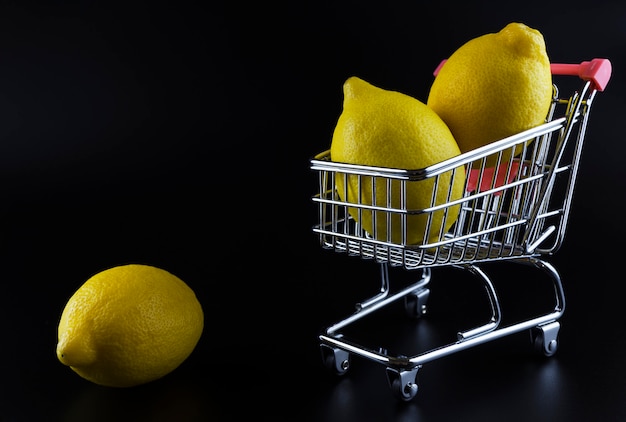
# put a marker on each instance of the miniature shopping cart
(514, 207)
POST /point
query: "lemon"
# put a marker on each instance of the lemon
(494, 86)
(129, 325)
(384, 128)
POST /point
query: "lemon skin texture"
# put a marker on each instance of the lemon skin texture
(385, 128)
(494, 86)
(129, 325)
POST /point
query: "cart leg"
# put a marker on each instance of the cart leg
(544, 337)
(383, 293)
(416, 300)
(403, 382)
(494, 303)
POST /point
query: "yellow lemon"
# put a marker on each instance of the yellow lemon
(129, 325)
(494, 86)
(384, 128)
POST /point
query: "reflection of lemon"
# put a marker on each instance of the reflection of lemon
(494, 86)
(385, 128)
(129, 325)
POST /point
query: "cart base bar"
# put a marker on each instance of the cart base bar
(402, 370)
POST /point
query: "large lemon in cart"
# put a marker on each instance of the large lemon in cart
(494, 86)
(385, 128)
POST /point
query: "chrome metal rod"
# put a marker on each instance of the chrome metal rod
(494, 303)
(363, 311)
(488, 332)
(483, 338)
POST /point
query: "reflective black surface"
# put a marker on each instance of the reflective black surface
(180, 137)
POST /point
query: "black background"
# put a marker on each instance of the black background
(179, 135)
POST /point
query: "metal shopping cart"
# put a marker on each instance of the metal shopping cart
(515, 211)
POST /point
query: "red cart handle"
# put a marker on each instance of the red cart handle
(598, 71)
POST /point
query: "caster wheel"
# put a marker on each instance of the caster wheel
(336, 360)
(403, 383)
(545, 338)
(415, 303)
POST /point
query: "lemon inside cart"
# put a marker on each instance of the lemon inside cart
(515, 211)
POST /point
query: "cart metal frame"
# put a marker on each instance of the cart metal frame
(515, 211)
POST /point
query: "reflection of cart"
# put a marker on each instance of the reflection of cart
(517, 213)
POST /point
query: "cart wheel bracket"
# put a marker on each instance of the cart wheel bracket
(415, 303)
(545, 338)
(403, 382)
(335, 359)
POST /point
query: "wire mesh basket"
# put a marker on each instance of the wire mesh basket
(513, 206)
